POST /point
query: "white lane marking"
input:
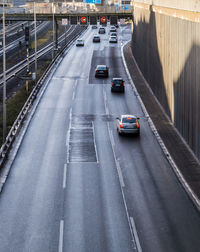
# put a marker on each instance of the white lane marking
(68, 134)
(119, 171)
(105, 101)
(122, 185)
(60, 245)
(64, 175)
(112, 138)
(139, 249)
(73, 96)
(95, 146)
(74, 92)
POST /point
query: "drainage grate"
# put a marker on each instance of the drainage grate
(81, 145)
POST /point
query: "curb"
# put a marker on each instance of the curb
(182, 180)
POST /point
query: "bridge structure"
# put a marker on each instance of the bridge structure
(71, 11)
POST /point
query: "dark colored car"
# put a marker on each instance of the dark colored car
(128, 124)
(96, 38)
(94, 26)
(102, 30)
(117, 85)
(101, 71)
(113, 34)
(116, 25)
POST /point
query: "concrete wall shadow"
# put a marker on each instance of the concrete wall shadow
(145, 51)
(187, 100)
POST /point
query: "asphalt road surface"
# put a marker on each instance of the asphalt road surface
(76, 186)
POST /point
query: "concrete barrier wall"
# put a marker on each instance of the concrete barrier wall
(189, 5)
(167, 50)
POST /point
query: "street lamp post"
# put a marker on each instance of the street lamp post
(4, 77)
(35, 23)
(53, 30)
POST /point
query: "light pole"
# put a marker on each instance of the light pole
(53, 30)
(4, 77)
(35, 23)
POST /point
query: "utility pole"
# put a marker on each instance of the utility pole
(35, 22)
(4, 77)
(53, 30)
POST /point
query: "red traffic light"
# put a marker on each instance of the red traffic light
(103, 20)
(26, 33)
(83, 20)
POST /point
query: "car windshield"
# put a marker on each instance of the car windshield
(79, 40)
(128, 120)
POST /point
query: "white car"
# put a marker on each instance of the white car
(113, 39)
(79, 42)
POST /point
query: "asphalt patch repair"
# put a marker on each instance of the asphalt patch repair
(179, 151)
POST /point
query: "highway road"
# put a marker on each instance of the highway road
(76, 186)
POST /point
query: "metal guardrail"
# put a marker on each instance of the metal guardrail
(14, 131)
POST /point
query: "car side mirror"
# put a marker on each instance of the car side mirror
(117, 118)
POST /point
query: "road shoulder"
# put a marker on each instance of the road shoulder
(180, 156)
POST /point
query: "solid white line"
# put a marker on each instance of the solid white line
(73, 96)
(119, 171)
(60, 245)
(68, 134)
(64, 175)
(95, 146)
(112, 138)
(139, 249)
(105, 101)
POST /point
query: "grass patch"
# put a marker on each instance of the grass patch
(42, 41)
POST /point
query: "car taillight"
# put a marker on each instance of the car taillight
(123, 83)
(96, 71)
(121, 125)
(112, 84)
(137, 125)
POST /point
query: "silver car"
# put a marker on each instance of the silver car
(128, 124)
(113, 39)
(79, 42)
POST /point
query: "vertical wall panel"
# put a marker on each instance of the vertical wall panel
(167, 50)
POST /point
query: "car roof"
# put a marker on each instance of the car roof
(124, 116)
(117, 78)
(101, 66)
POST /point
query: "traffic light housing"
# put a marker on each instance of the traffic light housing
(103, 20)
(83, 20)
(26, 33)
